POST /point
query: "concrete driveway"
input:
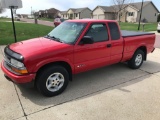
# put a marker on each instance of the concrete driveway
(109, 93)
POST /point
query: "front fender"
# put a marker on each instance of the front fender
(52, 60)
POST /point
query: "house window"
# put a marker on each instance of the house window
(71, 15)
(76, 15)
(130, 13)
(155, 14)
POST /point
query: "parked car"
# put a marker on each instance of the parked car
(17, 18)
(58, 21)
(30, 17)
(72, 47)
(158, 28)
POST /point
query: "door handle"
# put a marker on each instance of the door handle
(109, 45)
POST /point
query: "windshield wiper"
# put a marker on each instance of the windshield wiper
(58, 39)
(54, 38)
(48, 36)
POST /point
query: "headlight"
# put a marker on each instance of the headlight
(18, 67)
(17, 63)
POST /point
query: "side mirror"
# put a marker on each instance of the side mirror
(87, 40)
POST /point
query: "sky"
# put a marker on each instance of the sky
(63, 5)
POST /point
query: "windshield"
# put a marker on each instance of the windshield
(67, 32)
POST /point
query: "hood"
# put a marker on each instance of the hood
(36, 45)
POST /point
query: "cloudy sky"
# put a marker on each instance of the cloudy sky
(64, 5)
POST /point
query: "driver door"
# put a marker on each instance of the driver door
(91, 56)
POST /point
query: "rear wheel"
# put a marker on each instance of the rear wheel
(137, 60)
(53, 81)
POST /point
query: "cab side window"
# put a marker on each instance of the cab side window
(99, 32)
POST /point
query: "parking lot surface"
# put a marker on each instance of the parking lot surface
(115, 92)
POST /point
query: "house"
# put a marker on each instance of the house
(103, 12)
(64, 14)
(48, 13)
(41, 13)
(129, 13)
(77, 13)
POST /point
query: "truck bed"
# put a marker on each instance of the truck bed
(126, 33)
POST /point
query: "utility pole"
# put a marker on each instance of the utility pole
(31, 10)
(140, 16)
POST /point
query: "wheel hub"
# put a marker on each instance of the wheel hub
(138, 59)
(55, 82)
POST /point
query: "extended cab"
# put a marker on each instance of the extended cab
(74, 46)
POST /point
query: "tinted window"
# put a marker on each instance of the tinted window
(98, 32)
(114, 31)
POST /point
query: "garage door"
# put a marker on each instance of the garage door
(94, 16)
(101, 16)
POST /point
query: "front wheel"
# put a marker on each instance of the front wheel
(137, 60)
(53, 81)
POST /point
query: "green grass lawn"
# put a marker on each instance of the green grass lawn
(24, 31)
(27, 31)
(134, 27)
(46, 19)
(5, 19)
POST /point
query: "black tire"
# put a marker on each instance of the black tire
(51, 72)
(158, 31)
(133, 63)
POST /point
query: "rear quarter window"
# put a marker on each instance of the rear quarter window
(114, 31)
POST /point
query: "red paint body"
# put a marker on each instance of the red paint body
(41, 51)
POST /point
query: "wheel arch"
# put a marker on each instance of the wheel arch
(144, 49)
(60, 63)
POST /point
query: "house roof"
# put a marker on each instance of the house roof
(52, 10)
(73, 9)
(63, 12)
(106, 8)
(137, 5)
(78, 10)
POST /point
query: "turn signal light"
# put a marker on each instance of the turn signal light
(19, 71)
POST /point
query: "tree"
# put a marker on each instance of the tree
(119, 8)
(1, 9)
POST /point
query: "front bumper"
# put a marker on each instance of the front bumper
(17, 78)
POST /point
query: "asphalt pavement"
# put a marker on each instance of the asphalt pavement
(42, 22)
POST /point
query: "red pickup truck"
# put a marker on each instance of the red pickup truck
(74, 46)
